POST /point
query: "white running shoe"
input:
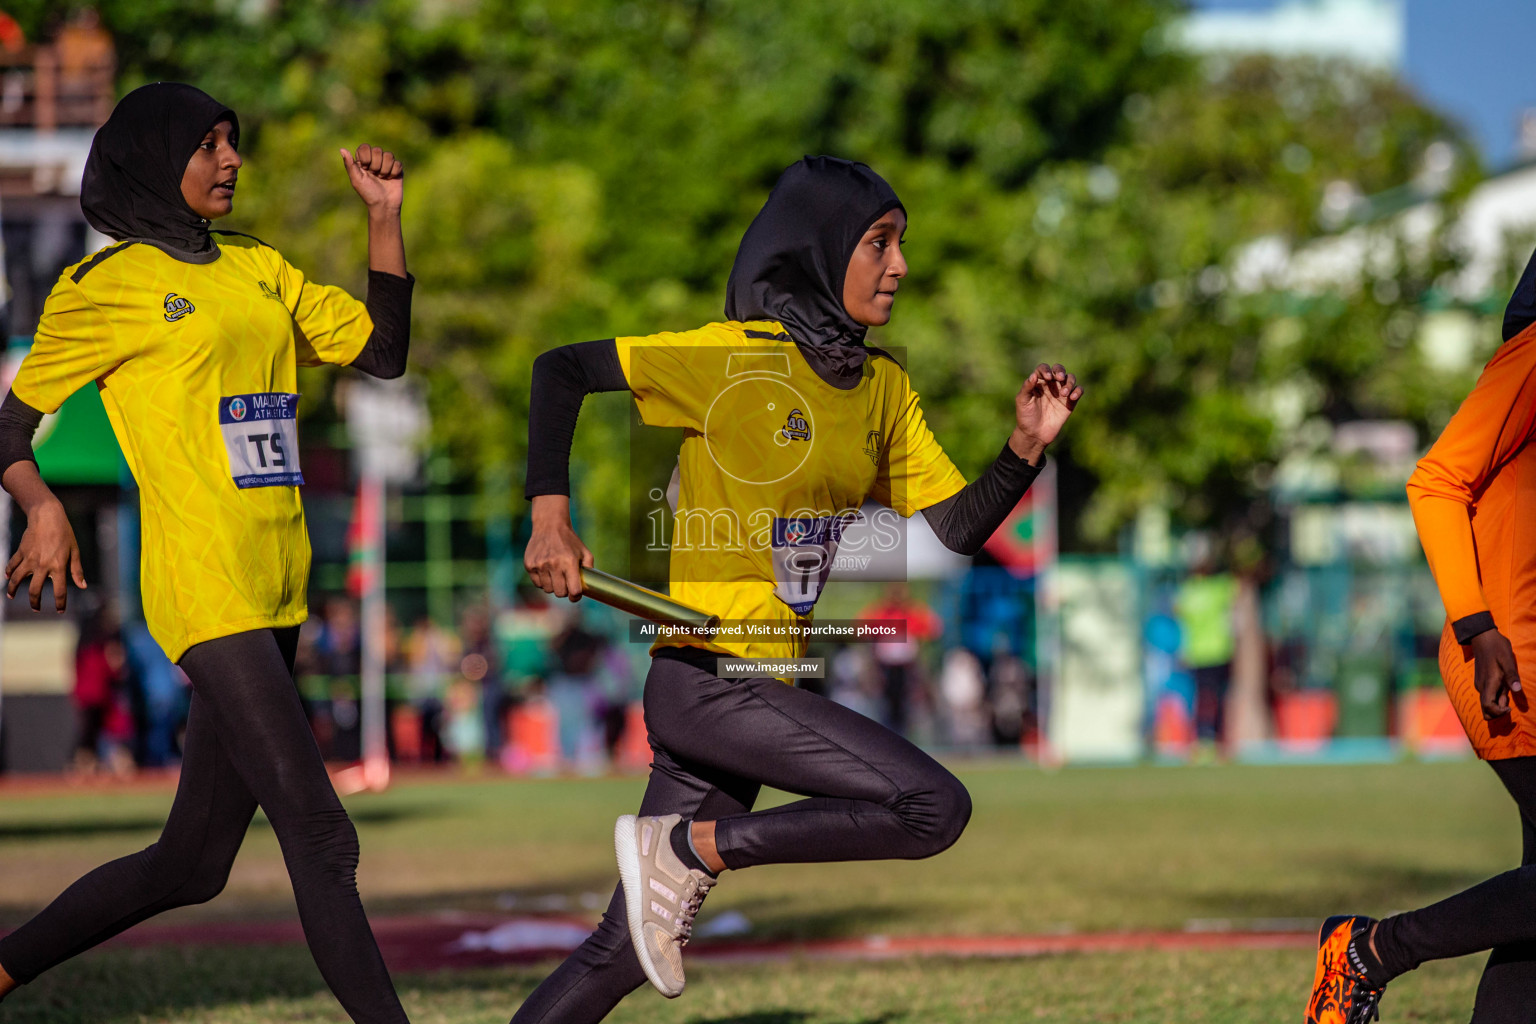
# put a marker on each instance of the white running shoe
(661, 895)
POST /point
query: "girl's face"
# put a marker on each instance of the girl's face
(208, 184)
(875, 271)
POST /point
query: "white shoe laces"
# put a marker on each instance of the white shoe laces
(690, 908)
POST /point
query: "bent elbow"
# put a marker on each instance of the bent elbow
(544, 364)
(969, 547)
(1415, 486)
(1431, 479)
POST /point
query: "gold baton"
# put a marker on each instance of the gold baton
(637, 600)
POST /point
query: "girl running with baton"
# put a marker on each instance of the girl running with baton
(791, 423)
(194, 338)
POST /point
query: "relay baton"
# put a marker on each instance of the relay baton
(648, 604)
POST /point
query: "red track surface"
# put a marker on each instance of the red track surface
(434, 943)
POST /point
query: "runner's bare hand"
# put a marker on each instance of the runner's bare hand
(47, 552)
(377, 176)
(1494, 672)
(1041, 407)
(555, 556)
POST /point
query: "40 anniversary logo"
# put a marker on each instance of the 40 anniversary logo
(177, 307)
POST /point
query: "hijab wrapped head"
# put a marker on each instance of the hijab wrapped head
(132, 182)
(793, 259)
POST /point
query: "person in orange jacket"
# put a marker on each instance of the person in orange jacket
(1474, 502)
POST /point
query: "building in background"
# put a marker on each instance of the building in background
(1368, 32)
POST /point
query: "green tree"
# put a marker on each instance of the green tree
(1077, 193)
(1202, 382)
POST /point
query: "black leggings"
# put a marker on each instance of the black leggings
(248, 744)
(1499, 914)
(717, 742)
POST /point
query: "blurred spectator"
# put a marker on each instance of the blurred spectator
(338, 645)
(395, 652)
(481, 665)
(526, 630)
(573, 690)
(158, 692)
(898, 659)
(463, 728)
(338, 654)
(105, 724)
(84, 47)
(1204, 609)
(432, 655)
(964, 690)
(855, 682)
(1013, 698)
(615, 692)
(1170, 687)
(86, 60)
(313, 683)
(396, 703)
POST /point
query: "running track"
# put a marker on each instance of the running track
(439, 942)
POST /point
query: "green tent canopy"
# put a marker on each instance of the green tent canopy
(77, 445)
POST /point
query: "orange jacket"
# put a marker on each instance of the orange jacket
(1474, 502)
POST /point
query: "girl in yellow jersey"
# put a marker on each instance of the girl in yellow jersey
(194, 338)
(790, 424)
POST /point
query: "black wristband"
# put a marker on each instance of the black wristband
(1469, 626)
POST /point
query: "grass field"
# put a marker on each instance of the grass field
(1079, 850)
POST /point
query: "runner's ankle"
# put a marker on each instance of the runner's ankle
(682, 846)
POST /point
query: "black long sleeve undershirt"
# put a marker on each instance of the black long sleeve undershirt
(964, 521)
(389, 307)
(562, 377)
(18, 422)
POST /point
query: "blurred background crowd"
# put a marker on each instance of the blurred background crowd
(542, 686)
(1273, 237)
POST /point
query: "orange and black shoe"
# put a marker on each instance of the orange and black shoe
(1341, 993)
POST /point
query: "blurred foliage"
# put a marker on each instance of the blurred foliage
(1077, 193)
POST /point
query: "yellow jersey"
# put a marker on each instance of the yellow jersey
(197, 364)
(775, 464)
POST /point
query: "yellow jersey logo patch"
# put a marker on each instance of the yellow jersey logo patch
(872, 445)
(177, 307)
(795, 427)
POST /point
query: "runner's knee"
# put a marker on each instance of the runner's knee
(182, 877)
(205, 882)
(936, 812)
(955, 804)
(322, 845)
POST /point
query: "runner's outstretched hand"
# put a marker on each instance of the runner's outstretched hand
(1041, 408)
(48, 549)
(555, 556)
(1494, 671)
(377, 176)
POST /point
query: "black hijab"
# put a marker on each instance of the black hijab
(132, 182)
(1521, 311)
(792, 260)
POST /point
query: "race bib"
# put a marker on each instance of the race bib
(803, 551)
(261, 434)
